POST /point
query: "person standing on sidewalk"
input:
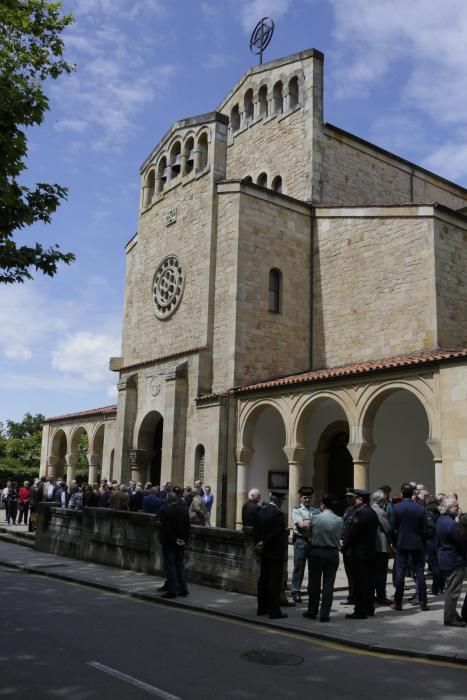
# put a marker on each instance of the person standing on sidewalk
(24, 496)
(174, 535)
(409, 532)
(348, 514)
(323, 559)
(301, 516)
(360, 545)
(271, 540)
(378, 502)
(250, 508)
(452, 550)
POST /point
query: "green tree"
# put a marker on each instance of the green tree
(20, 447)
(31, 51)
(29, 426)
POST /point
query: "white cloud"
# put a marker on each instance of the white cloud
(85, 354)
(253, 11)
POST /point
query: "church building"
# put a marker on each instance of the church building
(295, 310)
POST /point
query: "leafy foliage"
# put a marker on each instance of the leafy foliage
(31, 51)
(20, 448)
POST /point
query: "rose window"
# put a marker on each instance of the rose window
(168, 285)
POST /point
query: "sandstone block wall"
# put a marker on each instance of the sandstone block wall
(373, 288)
(451, 281)
(453, 402)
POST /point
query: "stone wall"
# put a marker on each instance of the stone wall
(451, 282)
(216, 557)
(373, 285)
(452, 472)
(356, 173)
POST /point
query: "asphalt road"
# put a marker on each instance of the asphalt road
(60, 640)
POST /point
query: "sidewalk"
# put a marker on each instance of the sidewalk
(408, 633)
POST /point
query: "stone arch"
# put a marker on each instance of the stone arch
(203, 148)
(189, 153)
(235, 118)
(146, 458)
(262, 179)
(276, 184)
(333, 455)
(248, 109)
(293, 91)
(56, 461)
(263, 107)
(175, 158)
(278, 98)
(307, 406)
(162, 171)
(397, 423)
(249, 417)
(149, 187)
(248, 179)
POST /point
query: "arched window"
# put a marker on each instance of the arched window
(175, 159)
(277, 98)
(262, 180)
(189, 151)
(199, 463)
(275, 290)
(203, 151)
(248, 179)
(162, 171)
(235, 119)
(248, 104)
(293, 92)
(149, 186)
(276, 184)
(263, 101)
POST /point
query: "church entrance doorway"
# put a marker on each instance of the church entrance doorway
(149, 447)
(156, 459)
(340, 469)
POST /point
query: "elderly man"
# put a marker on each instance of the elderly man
(409, 532)
(323, 561)
(271, 535)
(174, 536)
(378, 502)
(250, 508)
(301, 516)
(452, 549)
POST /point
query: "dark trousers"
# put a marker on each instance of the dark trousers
(454, 581)
(381, 572)
(299, 562)
(323, 563)
(418, 562)
(363, 571)
(349, 574)
(174, 564)
(23, 513)
(437, 585)
(270, 584)
(12, 511)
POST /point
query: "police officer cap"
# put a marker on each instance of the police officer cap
(350, 492)
(278, 494)
(306, 491)
(362, 493)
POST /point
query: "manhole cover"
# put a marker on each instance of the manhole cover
(272, 658)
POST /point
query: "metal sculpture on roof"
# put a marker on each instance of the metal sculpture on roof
(261, 36)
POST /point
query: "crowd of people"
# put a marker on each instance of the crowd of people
(418, 529)
(21, 504)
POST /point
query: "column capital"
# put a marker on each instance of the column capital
(72, 459)
(243, 455)
(295, 455)
(361, 451)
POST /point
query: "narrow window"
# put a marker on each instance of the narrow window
(199, 463)
(248, 104)
(162, 171)
(263, 101)
(275, 285)
(203, 151)
(262, 180)
(175, 159)
(293, 93)
(277, 184)
(248, 179)
(277, 98)
(235, 119)
(190, 155)
(149, 188)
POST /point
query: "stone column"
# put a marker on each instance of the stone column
(295, 458)
(52, 461)
(361, 453)
(183, 159)
(197, 159)
(360, 474)
(94, 464)
(158, 185)
(139, 461)
(320, 475)
(72, 460)
(126, 416)
(173, 439)
(243, 455)
(435, 446)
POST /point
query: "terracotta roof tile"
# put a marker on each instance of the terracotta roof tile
(104, 411)
(410, 360)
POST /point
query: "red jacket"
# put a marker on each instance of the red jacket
(24, 494)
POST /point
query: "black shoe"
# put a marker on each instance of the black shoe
(324, 619)
(383, 601)
(414, 600)
(355, 616)
(309, 615)
(424, 607)
(297, 598)
(278, 616)
(456, 623)
(348, 601)
(162, 588)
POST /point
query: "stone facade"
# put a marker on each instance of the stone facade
(295, 308)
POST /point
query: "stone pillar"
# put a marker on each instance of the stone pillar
(158, 185)
(94, 464)
(183, 159)
(320, 475)
(361, 453)
(173, 439)
(295, 458)
(126, 416)
(243, 455)
(72, 460)
(360, 474)
(435, 446)
(197, 159)
(52, 461)
(139, 461)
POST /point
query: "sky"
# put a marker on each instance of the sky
(395, 74)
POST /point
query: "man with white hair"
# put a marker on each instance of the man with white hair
(250, 508)
(378, 501)
(451, 545)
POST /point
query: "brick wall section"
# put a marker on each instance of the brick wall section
(374, 290)
(451, 282)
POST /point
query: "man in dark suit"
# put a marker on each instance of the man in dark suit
(270, 535)
(174, 535)
(250, 508)
(360, 545)
(409, 532)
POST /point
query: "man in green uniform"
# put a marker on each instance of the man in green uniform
(301, 516)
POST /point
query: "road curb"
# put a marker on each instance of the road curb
(260, 622)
